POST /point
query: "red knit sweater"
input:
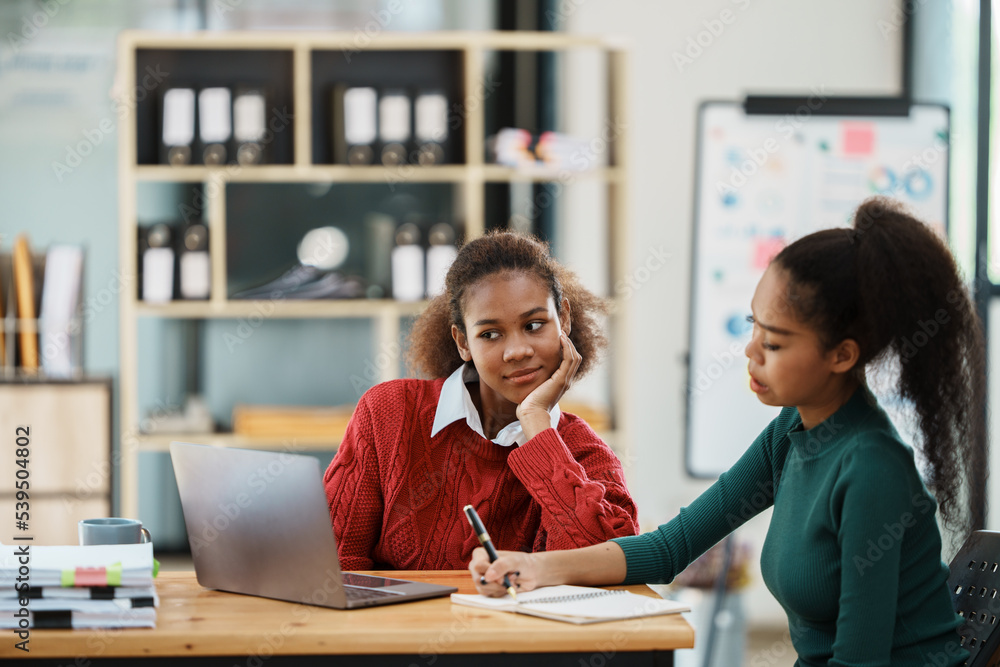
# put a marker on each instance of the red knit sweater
(396, 494)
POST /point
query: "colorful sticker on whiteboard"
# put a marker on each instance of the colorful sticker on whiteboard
(857, 138)
(764, 250)
(882, 180)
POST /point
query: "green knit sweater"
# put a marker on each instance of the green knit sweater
(853, 552)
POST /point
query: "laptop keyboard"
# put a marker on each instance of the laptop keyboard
(354, 593)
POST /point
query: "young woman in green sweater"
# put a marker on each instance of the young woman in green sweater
(853, 550)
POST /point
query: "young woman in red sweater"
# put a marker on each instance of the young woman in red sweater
(506, 340)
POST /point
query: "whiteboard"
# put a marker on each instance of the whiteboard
(762, 182)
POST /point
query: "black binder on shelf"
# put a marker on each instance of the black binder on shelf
(215, 125)
(355, 124)
(395, 126)
(177, 126)
(430, 127)
(194, 268)
(250, 106)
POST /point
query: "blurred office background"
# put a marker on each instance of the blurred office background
(56, 83)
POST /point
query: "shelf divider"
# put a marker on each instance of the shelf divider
(302, 123)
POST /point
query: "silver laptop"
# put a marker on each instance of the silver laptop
(258, 523)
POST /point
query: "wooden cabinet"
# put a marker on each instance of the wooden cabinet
(300, 71)
(64, 429)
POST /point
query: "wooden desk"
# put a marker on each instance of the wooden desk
(211, 627)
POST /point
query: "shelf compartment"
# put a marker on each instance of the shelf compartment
(410, 71)
(157, 70)
(266, 222)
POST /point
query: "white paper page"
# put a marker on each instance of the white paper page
(599, 603)
(122, 606)
(48, 562)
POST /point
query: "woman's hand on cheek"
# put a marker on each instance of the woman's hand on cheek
(533, 412)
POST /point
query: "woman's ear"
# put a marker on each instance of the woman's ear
(845, 355)
(462, 343)
(566, 317)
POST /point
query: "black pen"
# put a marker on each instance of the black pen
(484, 538)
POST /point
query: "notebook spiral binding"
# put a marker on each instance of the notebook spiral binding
(574, 598)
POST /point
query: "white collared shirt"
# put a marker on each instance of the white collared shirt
(456, 403)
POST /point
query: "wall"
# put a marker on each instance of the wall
(766, 47)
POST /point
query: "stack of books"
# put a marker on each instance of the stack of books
(99, 586)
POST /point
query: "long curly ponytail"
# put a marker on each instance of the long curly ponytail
(891, 284)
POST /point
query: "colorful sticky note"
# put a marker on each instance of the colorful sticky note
(857, 138)
(765, 249)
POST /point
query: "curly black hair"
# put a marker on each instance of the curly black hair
(892, 285)
(431, 349)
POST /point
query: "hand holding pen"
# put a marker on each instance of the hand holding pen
(484, 539)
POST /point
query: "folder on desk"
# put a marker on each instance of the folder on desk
(82, 566)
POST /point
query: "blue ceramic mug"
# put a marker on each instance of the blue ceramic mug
(113, 530)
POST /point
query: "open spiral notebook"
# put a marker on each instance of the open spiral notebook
(576, 604)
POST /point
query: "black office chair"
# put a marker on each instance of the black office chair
(974, 583)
